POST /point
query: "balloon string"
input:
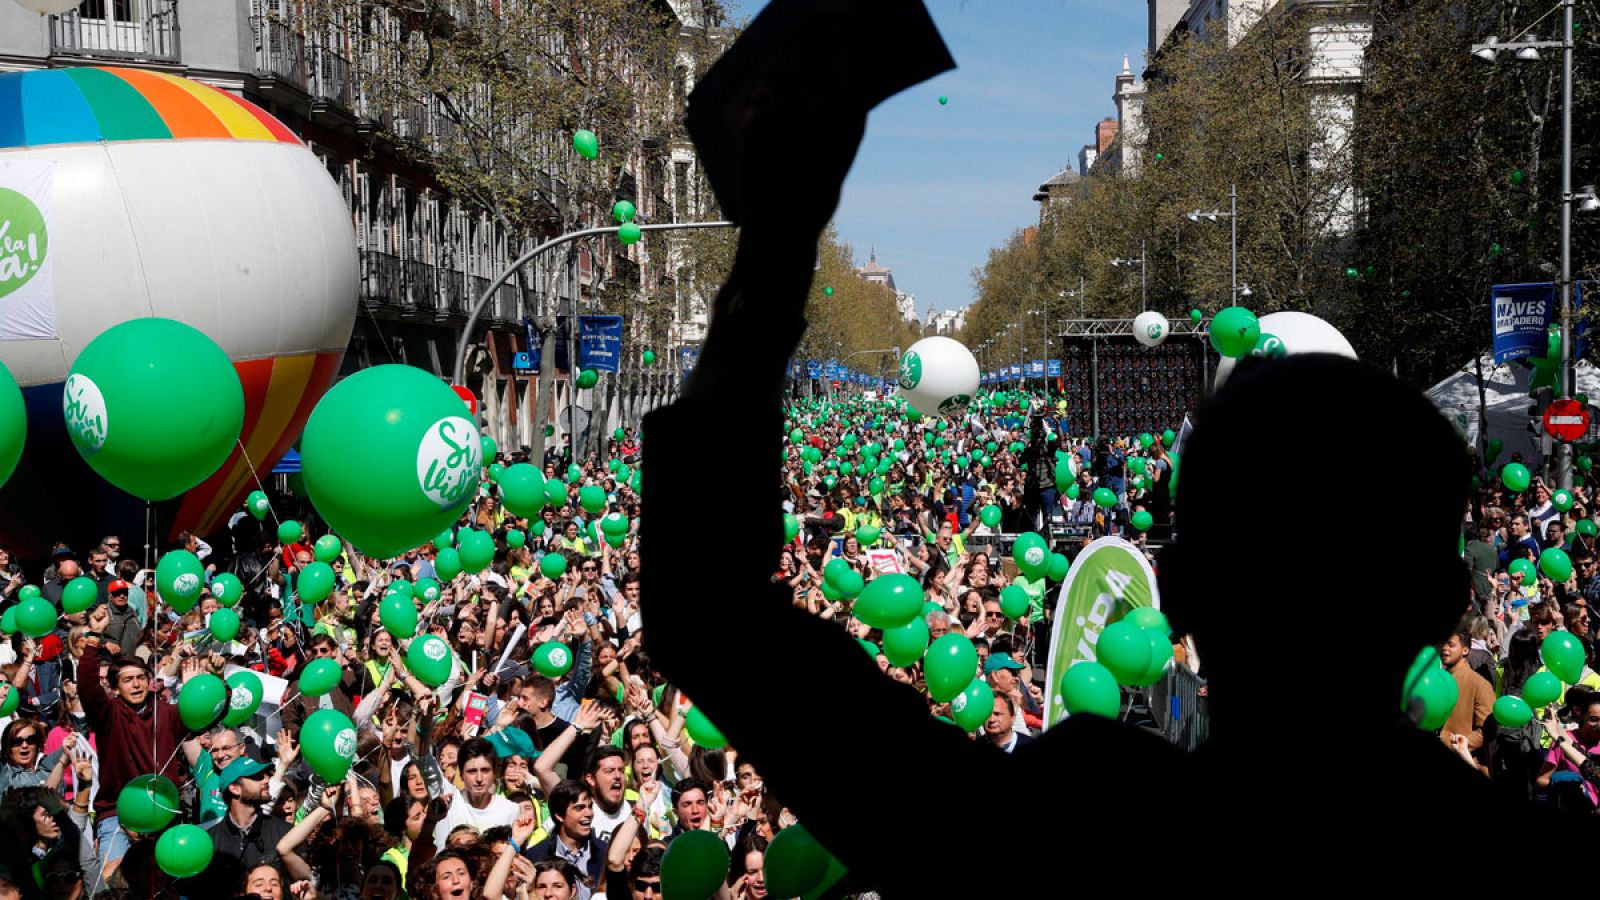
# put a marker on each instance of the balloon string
(257, 478)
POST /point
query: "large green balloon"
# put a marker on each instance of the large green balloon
(316, 582)
(949, 666)
(429, 658)
(1562, 654)
(13, 424)
(695, 865)
(1234, 331)
(244, 693)
(522, 490)
(890, 601)
(179, 578)
(327, 549)
(1438, 692)
(1555, 564)
(154, 406)
(1089, 688)
(1512, 712)
(592, 497)
(1515, 477)
(1013, 601)
(147, 803)
(37, 617)
(476, 549)
(1031, 554)
(1160, 656)
(390, 458)
(906, 644)
(552, 565)
(1124, 651)
(1148, 618)
(702, 730)
(328, 742)
(971, 708)
(224, 624)
(227, 588)
(79, 594)
(555, 492)
(795, 863)
(552, 659)
(202, 700)
(321, 676)
(1541, 689)
(1059, 564)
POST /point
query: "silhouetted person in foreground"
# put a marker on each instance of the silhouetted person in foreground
(1313, 775)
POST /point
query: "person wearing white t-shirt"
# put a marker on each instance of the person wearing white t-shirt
(477, 803)
(604, 772)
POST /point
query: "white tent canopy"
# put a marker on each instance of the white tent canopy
(1507, 402)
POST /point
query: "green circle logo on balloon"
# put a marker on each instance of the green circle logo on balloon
(187, 583)
(1154, 331)
(1034, 556)
(344, 743)
(910, 370)
(85, 409)
(558, 656)
(24, 240)
(448, 461)
(954, 404)
(240, 699)
(434, 650)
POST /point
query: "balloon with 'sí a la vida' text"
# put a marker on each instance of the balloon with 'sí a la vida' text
(390, 458)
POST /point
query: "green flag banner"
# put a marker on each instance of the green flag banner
(1107, 580)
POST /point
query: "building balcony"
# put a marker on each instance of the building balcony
(280, 52)
(414, 288)
(331, 78)
(144, 30)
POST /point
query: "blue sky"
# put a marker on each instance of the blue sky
(935, 187)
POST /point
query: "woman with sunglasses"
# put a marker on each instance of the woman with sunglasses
(43, 839)
(23, 762)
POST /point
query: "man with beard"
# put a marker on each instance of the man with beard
(243, 838)
(605, 775)
(572, 808)
(478, 802)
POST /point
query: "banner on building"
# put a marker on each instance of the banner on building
(1522, 316)
(687, 357)
(1052, 368)
(1036, 369)
(1106, 582)
(813, 368)
(600, 343)
(27, 283)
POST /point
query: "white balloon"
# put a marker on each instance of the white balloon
(1150, 328)
(1300, 333)
(50, 7)
(938, 376)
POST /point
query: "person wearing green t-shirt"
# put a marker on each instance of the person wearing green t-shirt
(211, 754)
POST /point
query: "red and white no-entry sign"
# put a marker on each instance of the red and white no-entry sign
(1566, 420)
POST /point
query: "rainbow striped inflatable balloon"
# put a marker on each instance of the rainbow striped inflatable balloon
(127, 193)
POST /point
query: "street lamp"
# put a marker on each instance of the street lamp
(1121, 262)
(1232, 215)
(1489, 52)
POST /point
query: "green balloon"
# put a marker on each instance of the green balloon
(791, 528)
(202, 701)
(522, 490)
(1148, 618)
(443, 539)
(627, 233)
(328, 743)
(429, 658)
(702, 731)
(476, 549)
(12, 700)
(1160, 656)
(890, 601)
(1562, 500)
(622, 211)
(1562, 654)
(447, 563)
(585, 142)
(227, 588)
(1031, 554)
(1073, 491)
(1515, 477)
(552, 659)
(795, 863)
(1196, 315)
(515, 538)
(1058, 567)
(398, 614)
(290, 532)
(321, 676)
(13, 424)
(1124, 651)
(179, 578)
(553, 565)
(1168, 438)
(1493, 448)
(989, 515)
(1524, 566)
(695, 866)
(1541, 689)
(906, 644)
(1089, 688)
(587, 378)
(1588, 528)
(316, 582)
(147, 803)
(615, 523)
(537, 528)
(592, 497)
(1013, 602)
(244, 692)
(257, 505)
(1438, 692)
(1105, 498)
(79, 594)
(224, 625)
(390, 458)
(949, 666)
(327, 549)
(1234, 331)
(1142, 520)
(37, 617)
(574, 473)
(154, 406)
(555, 492)
(648, 357)
(28, 592)
(8, 621)
(426, 589)
(850, 585)
(1555, 564)
(1512, 712)
(867, 535)
(971, 708)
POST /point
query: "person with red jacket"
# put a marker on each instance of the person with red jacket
(137, 731)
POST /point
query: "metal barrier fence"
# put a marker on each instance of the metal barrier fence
(1178, 708)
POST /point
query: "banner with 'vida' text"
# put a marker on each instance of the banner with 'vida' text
(1107, 581)
(27, 288)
